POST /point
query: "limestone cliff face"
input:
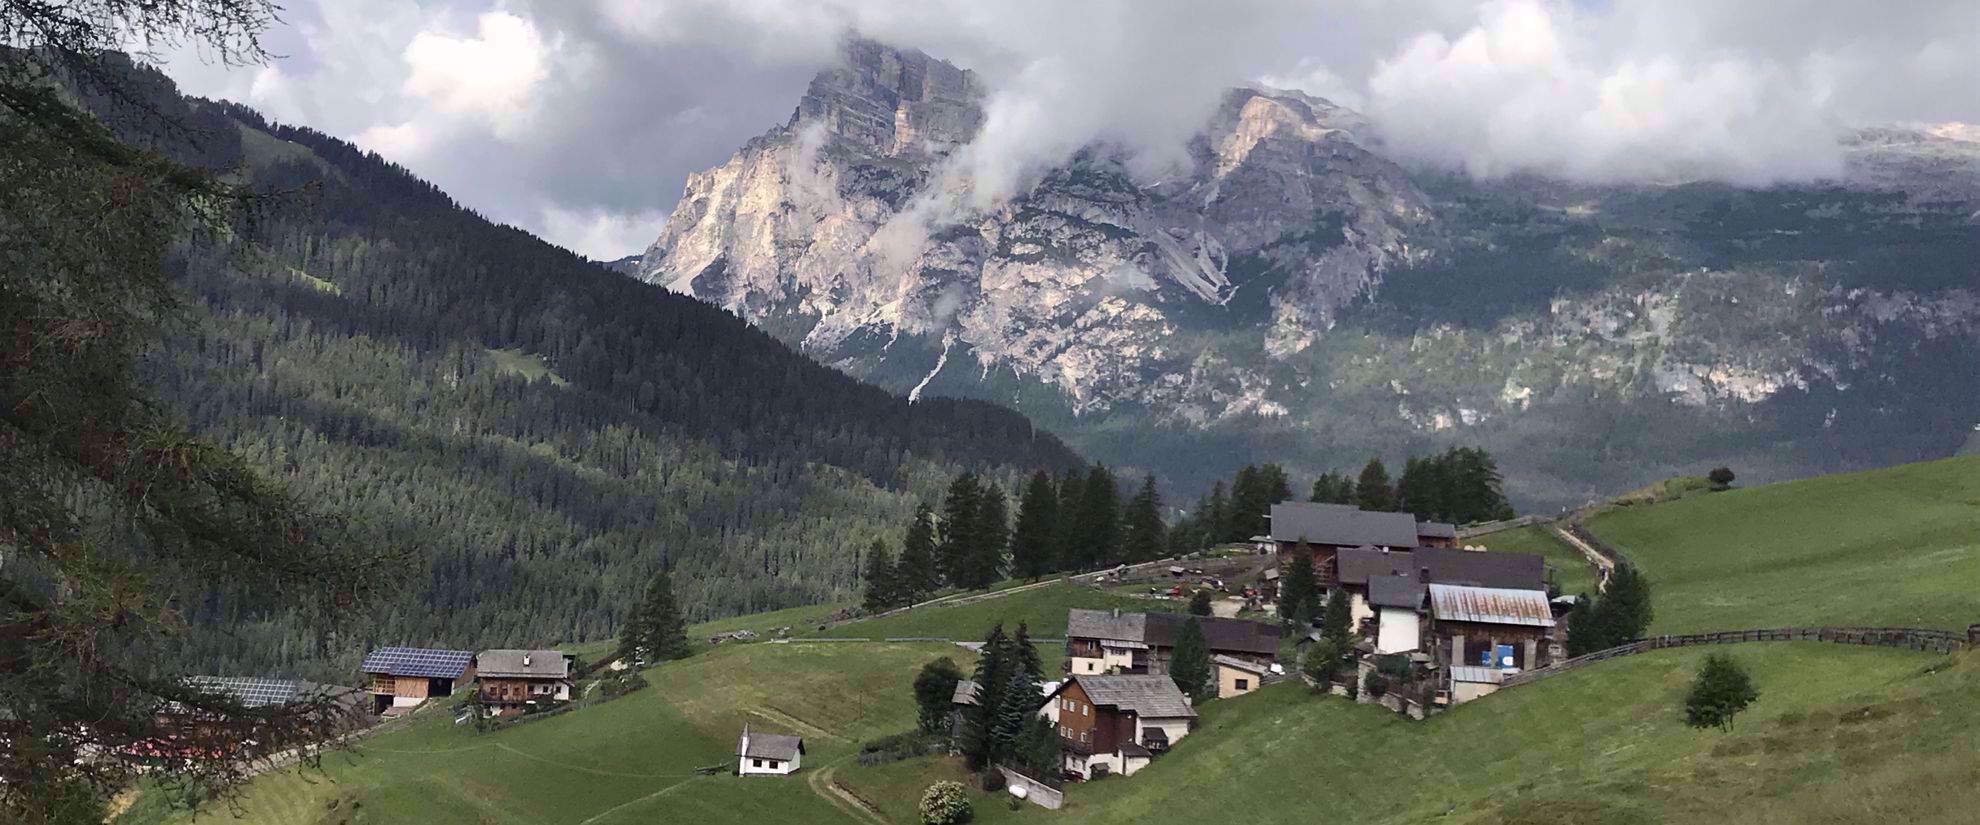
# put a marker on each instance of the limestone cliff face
(1077, 283)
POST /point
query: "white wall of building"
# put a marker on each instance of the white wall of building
(1399, 632)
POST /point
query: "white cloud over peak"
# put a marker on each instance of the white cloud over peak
(492, 73)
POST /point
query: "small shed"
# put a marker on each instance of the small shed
(1237, 677)
(1468, 683)
(768, 754)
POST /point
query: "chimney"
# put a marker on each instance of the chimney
(1117, 612)
(525, 660)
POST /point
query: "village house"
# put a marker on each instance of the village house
(1110, 641)
(768, 754)
(1237, 677)
(1116, 724)
(402, 677)
(1357, 566)
(513, 681)
(1491, 627)
(253, 693)
(1325, 530)
(1398, 605)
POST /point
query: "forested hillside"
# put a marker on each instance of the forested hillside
(536, 432)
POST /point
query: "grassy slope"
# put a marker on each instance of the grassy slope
(1839, 735)
(1044, 609)
(1571, 569)
(1899, 546)
(626, 761)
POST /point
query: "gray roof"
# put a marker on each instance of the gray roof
(1436, 529)
(1149, 696)
(524, 664)
(1221, 635)
(1341, 524)
(1481, 675)
(1106, 624)
(1241, 664)
(769, 746)
(1490, 605)
(1476, 568)
(966, 693)
(1360, 564)
(1395, 591)
(415, 661)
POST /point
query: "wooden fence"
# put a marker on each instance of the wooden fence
(1910, 638)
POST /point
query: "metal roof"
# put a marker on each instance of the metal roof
(1341, 524)
(1436, 529)
(1105, 624)
(769, 746)
(1147, 695)
(523, 664)
(416, 662)
(1490, 605)
(1479, 675)
(251, 691)
(966, 693)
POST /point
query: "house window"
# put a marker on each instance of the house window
(772, 763)
(756, 763)
(1085, 736)
(1086, 710)
(1244, 684)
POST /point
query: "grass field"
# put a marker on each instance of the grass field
(1892, 547)
(1571, 569)
(1044, 609)
(627, 761)
(1857, 735)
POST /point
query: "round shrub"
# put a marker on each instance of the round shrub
(1376, 684)
(945, 803)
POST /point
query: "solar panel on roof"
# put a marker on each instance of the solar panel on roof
(413, 661)
(248, 691)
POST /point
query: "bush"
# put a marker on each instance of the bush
(1721, 691)
(1375, 684)
(898, 747)
(1323, 662)
(1721, 478)
(945, 803)
(621, 683)
(993, 780)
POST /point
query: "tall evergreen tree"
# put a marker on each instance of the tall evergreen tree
(1038, 747)
(1584, 637)
(916, 575)
(1025, 654)
(983, 553)
(1144, 530)
(960, 531)
(1099, 524)
(1015, 707)
(1189, 665)
(1296, 587)
(1032, 544)
(1372, 490)
(655, 632)
(1338, 621)
(881, 589)
(992, 677)
(1323, 489)
(1249, 500)
(1278, 489)
(1066, 537)
(1626, 600)
(1216, 517)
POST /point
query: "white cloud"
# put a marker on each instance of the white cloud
(601, 234)
(491, 74)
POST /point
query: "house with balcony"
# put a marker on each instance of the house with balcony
(1116, 724)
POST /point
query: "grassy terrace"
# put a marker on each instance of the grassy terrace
(1892, 547)
(1571, 569)
(1044, 609)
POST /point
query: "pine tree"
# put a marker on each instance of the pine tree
(1144, 539)
(992, 676)
(1626, 600)
(1018, 705)
(1323, 489)
(1278, 489)
(959, 530)
(916, 574)
(1099, 523)
(1296, 587)
(1038, 746)
(1189, 665)
(1066, 548)
(1249, 501)
(1025, 654)
(1583, 635)
(1199, 603)
(983, 559)
(1337, 622)
(1372, 490)
(1031, 540)
(657, 633)
(1217, 516)
(880, 584)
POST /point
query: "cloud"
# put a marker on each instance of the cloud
(578, 118)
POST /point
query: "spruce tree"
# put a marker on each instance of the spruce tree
(1346, 493)
(983, 559)
(1099, 523)
(1066, 537)
(1248, 504)
(1583, 636)
(1323, 489)
(1199, 603)
(1296, 587)
(1626, 601)
(1372, 490)
(1189, 664)
(1017, 705)
(992, 676)
(1025, 655)
(1216, 517)
(880, 586)
(1338, 622)
(1032, 542)
(1278, 489)
(960, 531)
(661, 633)
(1038, 746)
(916, 574)
(1143, 522)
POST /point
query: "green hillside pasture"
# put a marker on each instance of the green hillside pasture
(628, 761)
(1892, 547)
(1044, 609)
(1571, 569)
(1839, 735)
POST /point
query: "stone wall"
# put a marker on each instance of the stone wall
(1036, 792)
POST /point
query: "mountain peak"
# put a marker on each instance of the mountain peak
(893, 101)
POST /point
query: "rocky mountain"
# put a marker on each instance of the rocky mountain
(1295, 295)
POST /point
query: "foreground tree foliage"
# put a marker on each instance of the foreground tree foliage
(1189, 665)
(934, 692)
(113, 516)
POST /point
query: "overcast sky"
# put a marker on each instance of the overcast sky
(581, 119)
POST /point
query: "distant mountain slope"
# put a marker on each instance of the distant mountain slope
(1294, 295)
(541, 432)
